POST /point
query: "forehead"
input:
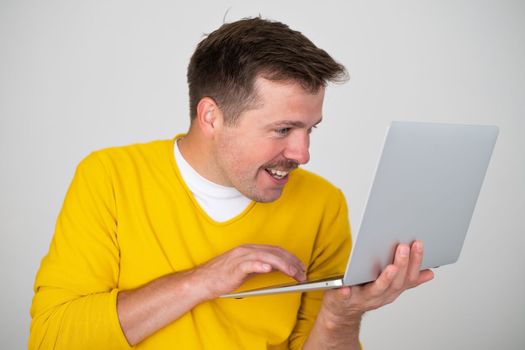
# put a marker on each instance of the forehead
(279, 101)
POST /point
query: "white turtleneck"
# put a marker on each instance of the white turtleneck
(221, 203)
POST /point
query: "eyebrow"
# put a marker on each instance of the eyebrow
(293, 123)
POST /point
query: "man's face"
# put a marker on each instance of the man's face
(257, 154)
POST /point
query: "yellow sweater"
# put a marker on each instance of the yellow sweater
(128, 218)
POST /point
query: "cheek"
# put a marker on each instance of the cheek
(245, 156)
(247, 166)
(239, 161)
(268, 150)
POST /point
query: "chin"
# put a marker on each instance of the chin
(267, 197)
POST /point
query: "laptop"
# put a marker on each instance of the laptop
(425, 188)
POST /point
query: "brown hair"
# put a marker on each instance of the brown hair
(226, 63)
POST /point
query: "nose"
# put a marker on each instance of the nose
(297, 148)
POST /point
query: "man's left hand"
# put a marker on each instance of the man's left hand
(341, 311)
(403, 274)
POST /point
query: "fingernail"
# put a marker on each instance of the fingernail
(302, 277)
(293, 270)
(403, 251)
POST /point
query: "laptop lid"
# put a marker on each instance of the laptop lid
(425, 188)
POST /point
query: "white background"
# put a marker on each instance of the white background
(76, 76)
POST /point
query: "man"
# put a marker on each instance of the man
(151, 235)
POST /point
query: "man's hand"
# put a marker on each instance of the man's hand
(403, 274)
(228, 271)
(145, 310)
(337, 325)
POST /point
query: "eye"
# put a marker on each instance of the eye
(282, 131)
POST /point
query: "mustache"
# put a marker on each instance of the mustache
(286, 165)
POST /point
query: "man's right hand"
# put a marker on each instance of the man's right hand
(145, 310)
(225, 273)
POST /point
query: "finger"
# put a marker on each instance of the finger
(286, 255)
(286, 265)
(250, 266)
(383, 282)
(425, 276)
(280, 259)
(401, 261)
(416, 258)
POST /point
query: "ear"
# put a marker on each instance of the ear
(209, 116)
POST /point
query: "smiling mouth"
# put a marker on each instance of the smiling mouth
(280, 170)
(277, 174)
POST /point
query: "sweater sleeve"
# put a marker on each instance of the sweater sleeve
(74, 306)
(330, 256)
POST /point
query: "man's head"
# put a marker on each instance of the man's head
(227, 62)
(256, 91)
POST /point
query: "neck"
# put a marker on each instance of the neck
(197, 150)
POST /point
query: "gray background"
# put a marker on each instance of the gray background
(78, 76)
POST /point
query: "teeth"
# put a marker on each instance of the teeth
(278, 174)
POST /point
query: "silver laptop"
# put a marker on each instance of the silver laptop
(425, 188)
